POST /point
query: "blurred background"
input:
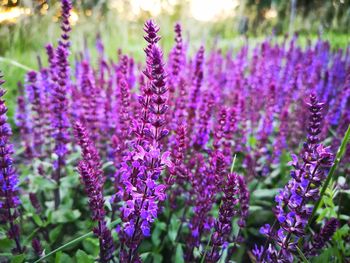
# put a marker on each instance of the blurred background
(27, 25)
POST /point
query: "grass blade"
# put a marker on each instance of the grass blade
(301, 254)
(331, 174)
(15, 63)
(76, 240)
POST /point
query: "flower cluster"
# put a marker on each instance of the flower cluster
(294, 202)
(142, 168)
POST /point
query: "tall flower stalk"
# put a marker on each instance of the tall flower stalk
(90, 169)
(144, 164)
(9, 200)
(60, 78)
(295, 201)
(223, 225)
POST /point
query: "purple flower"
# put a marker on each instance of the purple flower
(244, 197)
(178, 58)
(9, 200)
(265, 230)
(36, 98)
(36, 245)
(318, 241)
(294, 202)
(223, 225)
(22, 121)
(195, 89)
(35, 202)
(143, 164)
(59, 70)
(90, 112)
(92, 177)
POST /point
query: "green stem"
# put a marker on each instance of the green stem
(207, 246)
(331, 174)
(29, 238)
(301, 254)
(76, 240)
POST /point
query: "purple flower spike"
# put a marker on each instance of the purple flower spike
(59, 70)
(294, 202)
(314, 247)
(65, 25)
(36, 245)
(22, 121)
(151, 29)
(243, 200)
(143, 165)
(9, 200)
(178, 58)
(91, 175)
(223, 225)
(36, 99)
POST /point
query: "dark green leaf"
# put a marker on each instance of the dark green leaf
(91, 245)
(37, 220)
(18, 258)
(179, 254)
(82, 257)
(55, 233)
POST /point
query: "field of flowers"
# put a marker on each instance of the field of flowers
(237, 156)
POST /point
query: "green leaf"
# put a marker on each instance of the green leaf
(91, 245)
(107, 164)
(42, 183)
(15, 63)
(66, 259)
(157, 258)
(179, 254)
(173, 228)
(255, 208)
(5, 244)
(65, 215)
(58, 257)
(224, 256)
(252, 141)
(156, 233)
(82, 257)
(31, 235)
(55, 233)
(144, 256)
(37, 220)
(265, 193)
(18, 258)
